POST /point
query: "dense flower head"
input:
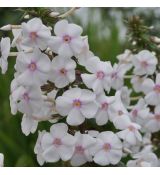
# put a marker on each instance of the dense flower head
(96, 110)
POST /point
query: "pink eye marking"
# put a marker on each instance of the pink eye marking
(100, 75)
(131, 128)
(33, 35)
(144, 64)
(26, 97)
(77, 103)
(157, 88)
(120, 113)
(57, 142)
(107, 147)
(135, 113)
(63, 71)
(67, 38)
(32, 66)
(104, 106)
(157, 117)
(79, 149)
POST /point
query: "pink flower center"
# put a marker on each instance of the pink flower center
(57, 142)
(63, 71)
(67, 38)
(32, 66)
(157, 88)
(131, 128)
(77, 103)
(104, 106)
(134, 113)
(79, 149)
(107, 147)
(100, 75)
(120, 112)
(157, 117)
(144, 64)
(33, 35)
(26, 97)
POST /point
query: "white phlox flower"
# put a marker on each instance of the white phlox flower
(153, 124)
(140, 112)
(131, 134)
(77, 104)
(145, 158)
(104, 102)
(17, 41)
(137, 82)
(108, 149)
(57, 144)
(99, 79)
(85, 53)
(126, 59)
(118, 113)
(82, 154)
(62, 71)
(38, 150)
(33, 67)
(144, 63)
(28, 99)
(28, 124)
(35, 34)
(117, 76)
(68, 41)
(152, 90)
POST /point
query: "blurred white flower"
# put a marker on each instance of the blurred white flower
(144, 63)
(126, 59)
(131, 134)
(62, 71)
(153, 124)
(125, 95)
(137, 82)
(77, 104)
(17, 41)
(4, 53)
(152, 90)
(85, 53)
(1, 160)
(145, 158)
(38, 150)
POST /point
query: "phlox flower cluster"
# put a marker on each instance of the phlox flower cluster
(87, 102)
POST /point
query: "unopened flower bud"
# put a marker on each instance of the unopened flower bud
(6, 27)
(26, 17)
(53, 14)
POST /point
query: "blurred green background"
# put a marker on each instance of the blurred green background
(107, 37)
